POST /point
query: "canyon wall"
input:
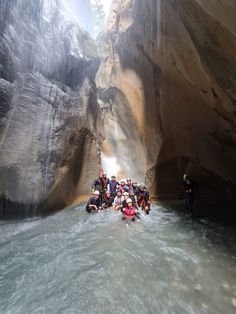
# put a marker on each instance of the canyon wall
(50, 131)
(166, 100)
(167, 84)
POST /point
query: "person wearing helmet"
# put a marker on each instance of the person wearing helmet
(122, 185)
(117, 204)
(125, 196)
(113, 186)
(126, 188)
(94, 203)
(107, 200)
(130, 212)
(189, 187)
(144, 201)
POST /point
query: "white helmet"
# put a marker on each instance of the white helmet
(128, 179)
(96, 193)
(123, 180)
(126, 194)
(129, 201)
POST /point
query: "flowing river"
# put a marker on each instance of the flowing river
(72, 262)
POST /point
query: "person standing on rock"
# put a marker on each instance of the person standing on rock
(189, 187)
(100, 184)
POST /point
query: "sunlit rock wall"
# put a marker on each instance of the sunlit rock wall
(49, 118)
(171, 64)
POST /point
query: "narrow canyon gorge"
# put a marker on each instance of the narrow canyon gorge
(144, 90)
(152, 97)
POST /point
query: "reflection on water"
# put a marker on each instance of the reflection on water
(73, 262)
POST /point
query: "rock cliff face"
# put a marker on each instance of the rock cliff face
(167, 86)
(166, 91)
(49, 117)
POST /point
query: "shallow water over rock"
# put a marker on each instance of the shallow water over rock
(73, 262)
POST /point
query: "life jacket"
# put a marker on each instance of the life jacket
(113, 186)
(189, 186)
(130, 189)
(143, 199)
(103, 183)
(99, 184)
(136, 190)
(94, 201)
(129, 211)
(108, 201)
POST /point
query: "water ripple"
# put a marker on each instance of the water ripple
(73, 262)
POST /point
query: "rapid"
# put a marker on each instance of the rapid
(73, 262)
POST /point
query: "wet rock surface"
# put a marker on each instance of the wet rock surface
(47, 100)
(175, 63)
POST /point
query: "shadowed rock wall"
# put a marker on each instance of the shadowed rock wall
(166, 92)
(174, 62)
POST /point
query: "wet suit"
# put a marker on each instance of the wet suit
(100, 184)
(124, 204)
(130, 189)
(189, 187)
(107, 182)
(136, 191)
(93, 201)
(107, 202)
(113, 186)
(144, 201)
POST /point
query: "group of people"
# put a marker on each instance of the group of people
(129, 197)
(125, 196)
